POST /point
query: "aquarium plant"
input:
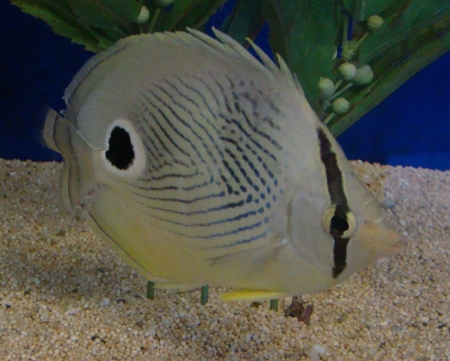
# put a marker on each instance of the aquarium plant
(348, 54)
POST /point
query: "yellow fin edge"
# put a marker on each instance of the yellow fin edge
(250, 295)
(176, 287)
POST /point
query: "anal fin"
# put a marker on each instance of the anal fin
(251, 295)
(176, 287)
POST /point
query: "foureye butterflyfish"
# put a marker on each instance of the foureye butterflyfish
(207, 166)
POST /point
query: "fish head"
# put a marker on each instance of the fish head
(336, 224)
(370, 234)
(357, 229)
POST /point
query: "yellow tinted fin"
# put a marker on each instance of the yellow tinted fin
(250, 295)
(96, 227)
(176, 287)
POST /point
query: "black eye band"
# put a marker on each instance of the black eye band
(335, 185)
(339, 224)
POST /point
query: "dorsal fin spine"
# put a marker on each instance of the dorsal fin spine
(225, 45)
(264, 57)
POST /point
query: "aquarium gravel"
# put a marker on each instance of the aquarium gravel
(64, 295)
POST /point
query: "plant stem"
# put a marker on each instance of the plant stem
(329, 117)
(273, 305)
(358, 44)
(326, 104)
(155, 17)
(151, 290)
(338, 84)
(335, 95)
(345, 35)
(140, 26)
(204, 295)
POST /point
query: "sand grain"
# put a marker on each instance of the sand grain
(65, 295)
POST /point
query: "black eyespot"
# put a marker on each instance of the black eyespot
(120, 152)
(339, 224)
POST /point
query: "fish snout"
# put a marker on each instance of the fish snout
(381, 239)
(394, 242)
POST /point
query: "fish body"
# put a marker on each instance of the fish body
(206, 166)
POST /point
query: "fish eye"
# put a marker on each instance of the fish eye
(120, 152)
(339, 223)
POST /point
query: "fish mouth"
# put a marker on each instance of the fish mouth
(396, 242)
(380, 239)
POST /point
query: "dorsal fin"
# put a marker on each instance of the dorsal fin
(225, 46)
(89, 65)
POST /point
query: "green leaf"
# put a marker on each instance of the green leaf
(411, 21)
(60, 20)
(305, 33)
(187, 13)
(129, 10)
(97, 24)
(91, 14)
(394, 68)
(422, 11)
(245, 20)
(113, 34)
(107, 13)
(105, 37)
(363, 9)
(59, 8)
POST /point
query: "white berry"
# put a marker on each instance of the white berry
(143, 15)
(165, 3)
(341, 105)
(348, 71)
(364, 75)
(374, 22)
(326, 87)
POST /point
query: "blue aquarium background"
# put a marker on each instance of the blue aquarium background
(410, 128)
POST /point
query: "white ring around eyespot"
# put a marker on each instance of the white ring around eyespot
(139, 162)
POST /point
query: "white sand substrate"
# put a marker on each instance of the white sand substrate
(64, 295)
